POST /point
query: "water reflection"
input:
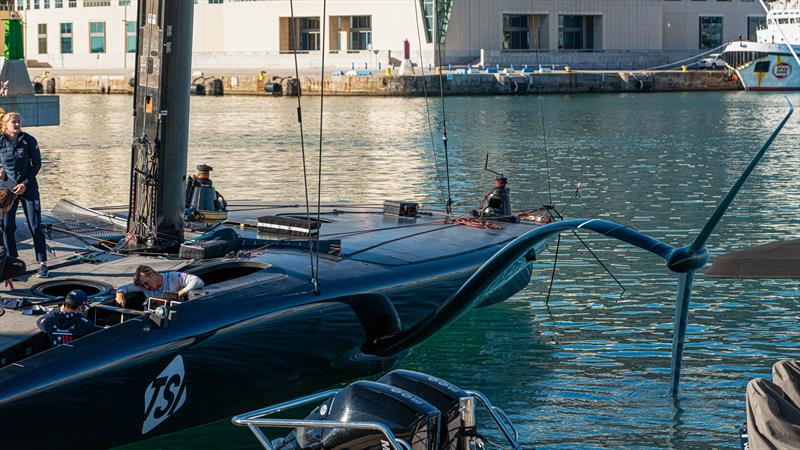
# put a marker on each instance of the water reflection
(595, 372)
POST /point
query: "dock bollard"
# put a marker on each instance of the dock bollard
(388, 71)
(438, 70)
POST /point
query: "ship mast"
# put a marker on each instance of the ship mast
(161, 125)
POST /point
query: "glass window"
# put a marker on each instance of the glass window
(309, 33)
(59, 3)
(42, 28)
(124, 2)
(36, 4)
(427, 11)
(576, 32)
(214, 2)
(97, 37)
(754, 24)
(710, 32)
(360, 32)
(130, 36)
(73, 3)
(46, 4)
(515, 32)
(66, 38)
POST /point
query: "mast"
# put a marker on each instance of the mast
(161, 124)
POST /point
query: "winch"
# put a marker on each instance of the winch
(203, 202)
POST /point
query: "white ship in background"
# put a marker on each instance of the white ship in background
(768, 64)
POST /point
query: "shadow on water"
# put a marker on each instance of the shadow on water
(595, 372)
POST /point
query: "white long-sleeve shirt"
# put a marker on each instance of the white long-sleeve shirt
(173, 282)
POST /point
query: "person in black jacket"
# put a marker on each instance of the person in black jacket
(10, 267)
(20, 161)
(67, 323)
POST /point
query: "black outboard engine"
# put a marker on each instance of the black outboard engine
(203, 202)
(403, 410)
(408, 416)
(457, 426)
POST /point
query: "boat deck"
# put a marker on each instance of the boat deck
(366, 235)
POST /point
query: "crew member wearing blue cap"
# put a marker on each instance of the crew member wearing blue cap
(65, 324)
(20, 161)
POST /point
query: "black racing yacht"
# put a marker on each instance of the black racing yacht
(291, 303)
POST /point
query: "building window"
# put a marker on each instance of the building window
(66, 38)
(42, 28)
(710, 32)
(59, 3)
(124, 2)
(36, 4)
(214, 2)
(88, 3)
(309, 33)
(97, 37)
(46, 4)
(754, 24)
(130, 36)
(515, 32)
(576, 32)
(73, 3)
(361, 32)
(427, 10)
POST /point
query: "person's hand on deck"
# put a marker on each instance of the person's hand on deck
(120, 299)
(19, 189)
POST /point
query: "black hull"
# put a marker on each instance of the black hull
(258, 339)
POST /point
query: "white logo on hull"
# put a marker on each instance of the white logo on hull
(165, 395)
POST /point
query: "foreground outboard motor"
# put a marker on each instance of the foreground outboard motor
(457, 426)
(408, 416)
(402, 410)
(203, 202)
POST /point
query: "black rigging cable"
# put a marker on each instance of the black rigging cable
(536, 43)
(427, 107)
(315, 269)
(293, 42)
(439, 39)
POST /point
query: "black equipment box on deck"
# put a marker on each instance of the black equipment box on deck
(402, 209)
(290, 226)
(210, 245)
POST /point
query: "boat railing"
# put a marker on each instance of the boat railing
(256, 419)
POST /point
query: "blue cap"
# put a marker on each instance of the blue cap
(76, 298)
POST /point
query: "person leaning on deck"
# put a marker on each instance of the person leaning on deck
(20, 161)
(67, 323)
(10, 267)
(773, 408)
(154, 284)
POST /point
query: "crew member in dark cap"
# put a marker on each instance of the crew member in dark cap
(65, 324)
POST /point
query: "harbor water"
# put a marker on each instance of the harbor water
(588, 368)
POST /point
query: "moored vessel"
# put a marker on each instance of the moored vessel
(768, 64)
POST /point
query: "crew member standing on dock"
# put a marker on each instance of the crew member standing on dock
(20, 161)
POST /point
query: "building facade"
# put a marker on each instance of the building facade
(261, 34)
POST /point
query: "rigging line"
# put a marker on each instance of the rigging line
(599, 261)
(552, 277)
(427, 107)
(315, 270)
(449, 202)
(537, 44)
(293, 40)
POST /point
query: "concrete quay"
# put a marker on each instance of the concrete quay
(454, 83)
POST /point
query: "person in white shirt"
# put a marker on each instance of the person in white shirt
(154, 284)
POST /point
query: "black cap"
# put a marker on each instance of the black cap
(76, 298)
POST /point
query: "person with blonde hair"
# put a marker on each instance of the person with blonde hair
(20, 162)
